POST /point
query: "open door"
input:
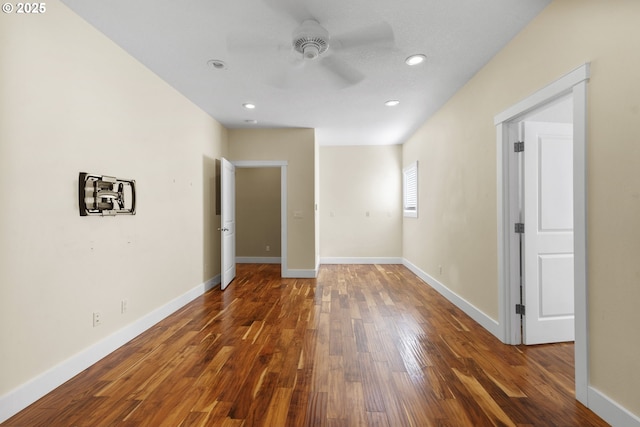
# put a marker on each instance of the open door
(228, 222)
(548, 234)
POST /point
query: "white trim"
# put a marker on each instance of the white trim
(24, 395)
(300, 274)
(507, 240)
(259, 163)
(475, 313)
(258, 260)
(284, 222)
(212, 283)
(610, 411)
(572, 83)
(360, 260)
(282, 164)
(558, 88)
(580, 255)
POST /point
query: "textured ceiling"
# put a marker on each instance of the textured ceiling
(176, 39)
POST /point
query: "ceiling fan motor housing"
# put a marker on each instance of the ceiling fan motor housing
(310, 39)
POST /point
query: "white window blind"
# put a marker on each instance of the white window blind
(410, 190)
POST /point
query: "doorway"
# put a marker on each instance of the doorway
(258, 216)
(507, 126)
(282, 166)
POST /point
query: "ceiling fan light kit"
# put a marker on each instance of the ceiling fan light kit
(310, 39)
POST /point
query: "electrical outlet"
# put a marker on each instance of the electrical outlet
(440, 270)
(124, 305)
(97, 318)
(267, 248)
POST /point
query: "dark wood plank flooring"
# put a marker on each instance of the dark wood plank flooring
(362, 345)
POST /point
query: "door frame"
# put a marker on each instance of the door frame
(575, 83)
(282, 164)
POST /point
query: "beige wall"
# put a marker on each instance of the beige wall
(355, 181)
(297, 147)
(258, 212)
(457, 154)
(72, 101)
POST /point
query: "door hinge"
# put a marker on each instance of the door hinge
(519, 227)
(520, 309)
(518, 147)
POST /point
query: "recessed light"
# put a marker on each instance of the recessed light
(249, 106)
(415, 59)
(217, 64)
(392, 103)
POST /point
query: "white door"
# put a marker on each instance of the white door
(228, 222)
(548, 233)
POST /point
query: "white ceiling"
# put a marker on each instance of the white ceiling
(176, 39)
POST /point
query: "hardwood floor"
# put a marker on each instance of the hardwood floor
(361, 345)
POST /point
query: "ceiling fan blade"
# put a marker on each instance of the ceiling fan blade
(290, 76)
(296, 9)
(376, 34)
(253, 44)
(343, 74)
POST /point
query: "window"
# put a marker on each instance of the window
(410, 190)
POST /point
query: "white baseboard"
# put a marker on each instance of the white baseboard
(258, 260)
(299, 274)
(212, 283)
(26, 394)
(476, 314)
(360, 260)
(286, 273)
(610, 411)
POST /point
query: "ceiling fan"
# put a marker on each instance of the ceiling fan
(313, 49)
